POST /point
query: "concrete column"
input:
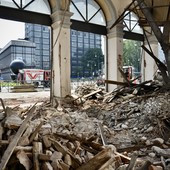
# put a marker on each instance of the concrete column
(149, 66)
(114, 57)
(61, 54)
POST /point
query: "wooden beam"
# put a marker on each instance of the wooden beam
(150, 20)
(160, 65)
(116, 82)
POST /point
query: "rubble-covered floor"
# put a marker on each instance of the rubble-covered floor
(95, 130)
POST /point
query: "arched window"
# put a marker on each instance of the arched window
(87, 16)
(39, 6)
(88, 26)
(133, 37)
(87, 11)
(131, 23)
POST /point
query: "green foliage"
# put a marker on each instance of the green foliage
(92, 61)
(132, 54)
(9, 84)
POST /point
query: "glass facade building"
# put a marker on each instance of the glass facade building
(35, 50)
(81, 42)
(40, 35)
(16, 49)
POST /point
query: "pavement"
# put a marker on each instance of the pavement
(24, 99)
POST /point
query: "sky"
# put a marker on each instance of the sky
(10, 30)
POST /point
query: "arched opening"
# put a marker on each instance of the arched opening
(132, 51)
(87, 39)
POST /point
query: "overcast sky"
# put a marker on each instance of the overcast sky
(10, 30)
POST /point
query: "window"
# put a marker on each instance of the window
(18, 49)
(131, 23)
(45, 46)
(45, 58)
(35, 6)
(86, 40)
(87, 11)
(90, 12)
(91, 36)
(86, 45)
(80, 34)
(45, 35)
(80, 45)
(80, 39)
(28, 50)
(37, 40)
(74, 38)
(74, 49)
(74, 44)
(45, 52)
(46, 41)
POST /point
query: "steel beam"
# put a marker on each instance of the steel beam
(24, 16)
(86, 27)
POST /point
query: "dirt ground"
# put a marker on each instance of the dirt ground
(24, 99)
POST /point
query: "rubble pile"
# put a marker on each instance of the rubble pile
(85, 89)
(120, 130)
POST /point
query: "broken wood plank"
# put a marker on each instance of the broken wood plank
(37, 149)
(97, 161)
(35, 132)
(1, 131)
(24, 148)
(3, 105)
(8, 152)
(132, 162)
(47, 166)
(116, 82)
(102, 134)
(46, 142)
(67, 159)
(4, 142)
(107, 164)
(24, 160)
(145, 165)
(93, 93)
(65, 151)
(124, 76)
(44, 157)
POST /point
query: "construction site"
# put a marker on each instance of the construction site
(119, 122)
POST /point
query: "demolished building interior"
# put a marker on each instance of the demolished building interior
(127, 128)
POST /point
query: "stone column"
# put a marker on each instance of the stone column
(61, 54)
(149, 66)
(114, 57)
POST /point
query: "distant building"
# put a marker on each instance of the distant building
(40, 35)
(80, 43)
(16, 49)
(35, 50)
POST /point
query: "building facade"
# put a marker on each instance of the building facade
(16, 49)
(40, 35)
(81, 42)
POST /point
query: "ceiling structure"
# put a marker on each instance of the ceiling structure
(159, 9)
(155, 14)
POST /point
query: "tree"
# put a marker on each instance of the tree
(132, 54)
(92, 61)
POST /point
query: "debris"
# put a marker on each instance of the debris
(118, 130)
(13, 143)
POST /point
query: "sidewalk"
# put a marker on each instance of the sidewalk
(24, 99)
